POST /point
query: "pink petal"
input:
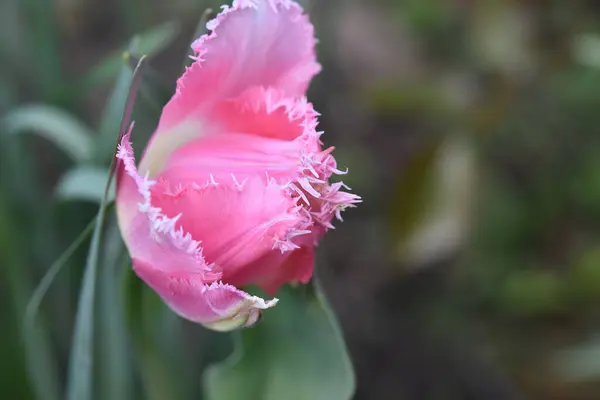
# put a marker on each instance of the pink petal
(267, 112)
(217, 306)
(264, 135)
(259, 133)
(222, 158)
(148, 233)
(297, 266)
(169, 259)
(253, 43)
(239, 222)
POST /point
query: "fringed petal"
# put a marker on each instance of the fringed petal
(252, 43)
(238, 221)
(263, 133)
(170, 260)
(217, 306)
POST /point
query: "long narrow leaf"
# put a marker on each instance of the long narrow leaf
(84, 183)
(80, 366)
(150, 43)
(155, 90)
(113, 348)
(111, 118)
(40, 291)
(31, 330)
(146, 316)
(62, 129)
(79, 384)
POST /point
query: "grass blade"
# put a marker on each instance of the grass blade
(150, 43)
(62, 129)
(84, 183)
(112, 118)
(115, 381)
(80, 366)
(79, 384)
(40, 291)
(32, 332)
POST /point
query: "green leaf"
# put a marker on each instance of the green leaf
(79, 384)
(149, 320)
(65, 131)
(296, 353)
(40, 291)
(111, 119)
(31, 330)
(115, 380)
(148, 43)
(84, 183)
(155, 91)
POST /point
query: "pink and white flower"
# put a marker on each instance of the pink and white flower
(233, 188)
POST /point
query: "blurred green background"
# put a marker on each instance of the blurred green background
(469, 127)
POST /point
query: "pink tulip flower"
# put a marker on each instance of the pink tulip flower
(233, 188)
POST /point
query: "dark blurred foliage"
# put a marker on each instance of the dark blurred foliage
(469, 127)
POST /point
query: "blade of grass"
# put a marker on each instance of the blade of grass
(114, 356)
(79, 384)
(154, 90)
(150, 43)
(150, 324)
(84, 183)
(65, 131)
(112, 118)
(110, 121)
(40, 291)
(31, 330)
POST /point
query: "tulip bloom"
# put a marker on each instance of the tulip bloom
(233, 188)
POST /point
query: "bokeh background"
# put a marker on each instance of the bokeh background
(469, 127)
